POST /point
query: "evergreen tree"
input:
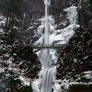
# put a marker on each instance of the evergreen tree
(91, 5)
(12, 9)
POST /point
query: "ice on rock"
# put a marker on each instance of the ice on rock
(61, 36)
(72, 14)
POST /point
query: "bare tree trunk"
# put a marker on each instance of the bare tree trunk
(79, 4)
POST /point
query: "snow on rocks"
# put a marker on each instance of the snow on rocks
(36, 85)
(24, 80)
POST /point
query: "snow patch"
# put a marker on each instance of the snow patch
(25, 80)
(36, 85)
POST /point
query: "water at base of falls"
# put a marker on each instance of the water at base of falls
(48, 73)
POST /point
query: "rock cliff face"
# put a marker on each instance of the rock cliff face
(77, 53)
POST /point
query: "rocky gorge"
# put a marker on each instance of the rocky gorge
(19, 64)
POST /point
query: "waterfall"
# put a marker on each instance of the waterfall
(47, 74)
(48, 77)
(46, 33)
(47, 81)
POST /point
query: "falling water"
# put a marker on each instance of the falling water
(46, 36)
(48, 72)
